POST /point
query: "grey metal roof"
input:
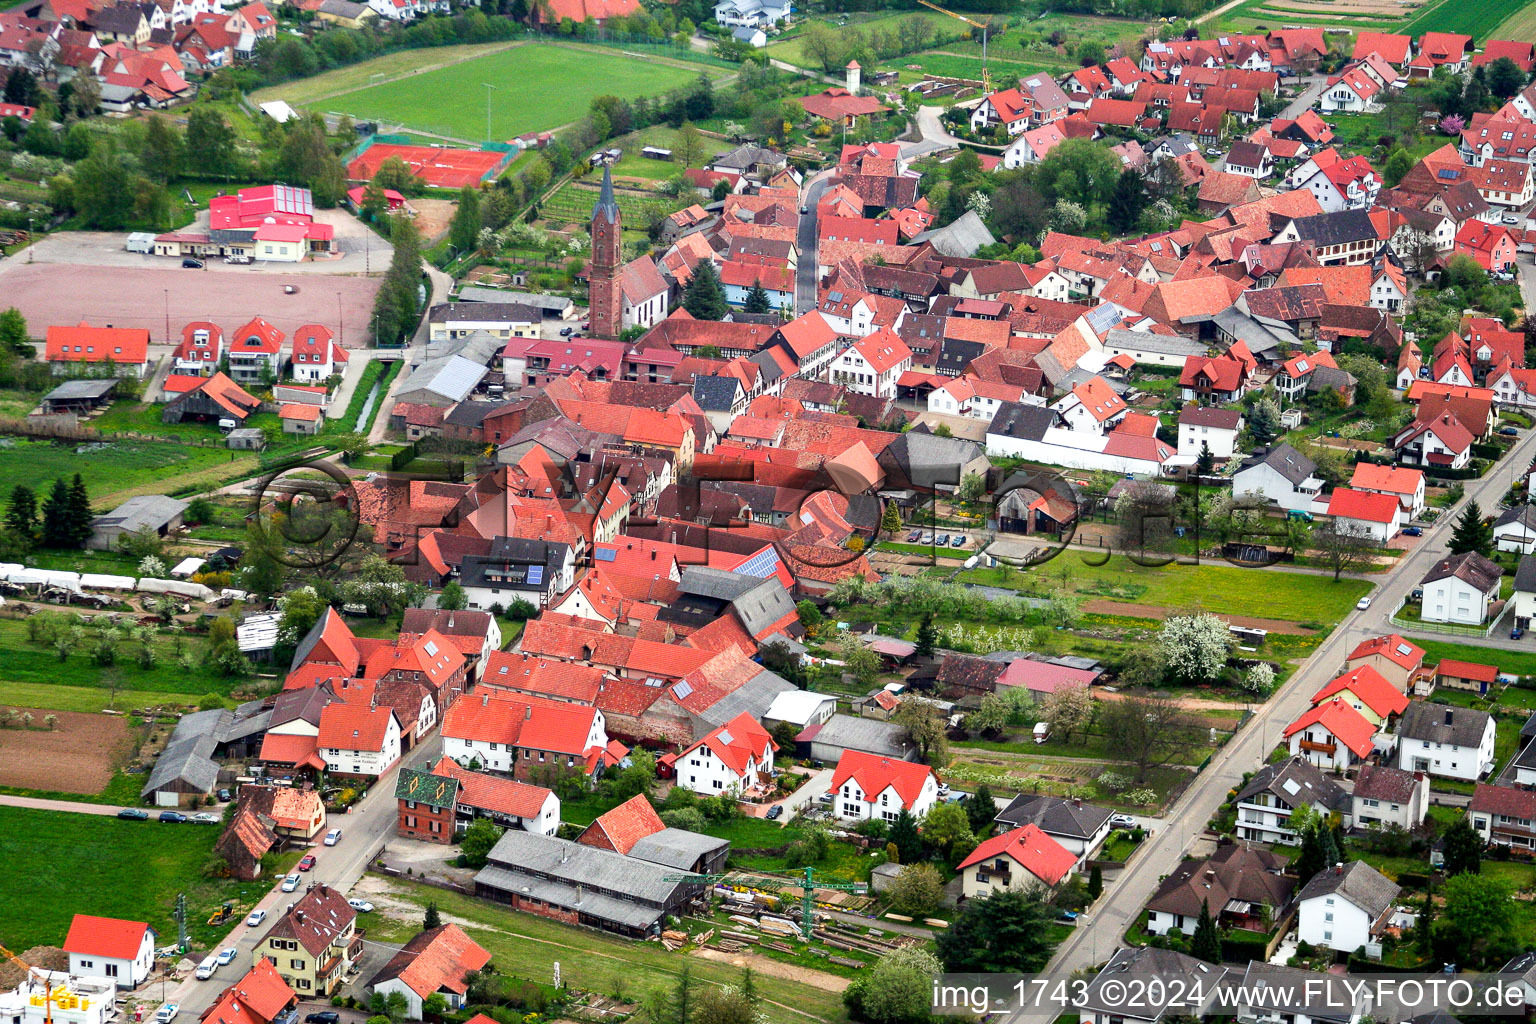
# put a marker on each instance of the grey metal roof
(71, 389)
(1283, 459)
(1357, 882)
(189, 754)
(555, 303)
(755, 697)
(1164, 344)
(1443, 723)
(477, 346)
(572, 897)
(870, 735)
(145, 512)
(763, 605)
(961, 238)
(720, 584)
(927, 461)
(564, 861)
(481, 312)
(453, 377)
(676, 847)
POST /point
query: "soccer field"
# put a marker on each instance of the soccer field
(534, 88)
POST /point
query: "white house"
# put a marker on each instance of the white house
(1403, 483)
(1524, 596)
(59, 997)
(1389, 796)
(870, 786)
(434, 961)
(1515, 529)
(734, 759)
(314, 355)
(1239, 883)
(1281, 474)
(1032, 146)
(107, 947)
(1265, 804)
(358, 740)
(1344, 907)
(1091, 407)
(1331, 735)
(1021, 859)
(1389, 289)
(752, 12)
(1452, 742)
(1460, 588)
(873, 364)
(1375, 517)
(517, 733)
(972, 397)
(1203, 426)
(1344, 185)
(1079, 827)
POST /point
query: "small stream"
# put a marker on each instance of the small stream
(363, 418)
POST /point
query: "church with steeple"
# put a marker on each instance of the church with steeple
(604, 297)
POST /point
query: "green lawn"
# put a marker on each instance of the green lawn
(112, 868)
(1521, 663)
(107, 467)
(36, 672)
(144, 418)
(528, 946)
(633, 165)
(1476, 20)
(1260, 593)
(536, 87)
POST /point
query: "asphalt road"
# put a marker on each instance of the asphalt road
(805, 240)
(363, 831)
(1100, 931)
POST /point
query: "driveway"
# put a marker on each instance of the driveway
(812, 788)
(805, 239)
(934, 137)
(1100, 932)
(1312, 88)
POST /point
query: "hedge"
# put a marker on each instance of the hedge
(1241, 947)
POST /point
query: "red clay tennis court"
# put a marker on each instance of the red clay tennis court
(439, 166)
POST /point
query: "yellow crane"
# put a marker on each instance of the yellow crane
(47, 982)
(986, 78)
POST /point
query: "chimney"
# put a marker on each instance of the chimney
(299, 916)
(1077, 801)
(1338, 868)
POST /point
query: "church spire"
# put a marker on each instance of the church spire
(606, 206)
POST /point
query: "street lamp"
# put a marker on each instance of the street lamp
(489, 88)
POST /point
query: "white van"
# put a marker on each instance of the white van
(1042, 731)
(207, 967)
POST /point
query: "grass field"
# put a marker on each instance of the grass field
(528, 946)
(789, 50)
(125, 869)
(536, 87)
(33, 673)
(1475, 19)
(1519, 25)
(106, 468)
(633, 165)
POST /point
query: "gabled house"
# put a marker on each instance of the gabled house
(201, 348)
(1265, 804)
(314, 355)
(1282, 475)
(358, 741)
(1386, 796)
(1218, 380)
(433, 962)
(1023, 858)
(869, 786)
(1402, 483)
(1504, 815)
(734, 759)
(80, 350)
(529, 738)
(1461, 589)
(1374, 517)
(873, 364)
(1368, 692)
(1399, 661)
(108, 947)
(1204, 427)
(1451, 742)
(1491, 245)
(1345, 906)
(314, 944)
(1080, 828)
(1331, 735)
(1240, 885)
(1440, 440)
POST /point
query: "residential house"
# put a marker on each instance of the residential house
(358, 741)
(314, 355)
(1461, 589)
(433, 962)
(527, 737)
(1440, 440)
(1515, 529)
(314, 944)
(1368, 692)
(1241, 886)
(1331, 735)
(1184, 986)
(1385, 796)
(1345, 906)
(873, 364)
(1471, 676)
(1080, 828)
(1280, 474)
(869, 786)
(1265, 803)
(1451, 742)
(1023, 858)
(1365, 514)
(1038, 100)
(80, 350)
(1204, 427)
(518, 569)
(1491, 245)
(1399, 661)
(1504, 815)
(734, 759)
(1270, 992)
(1402, 483)
(201, 348)
(108, 947)
(437, 804)
(255, 352)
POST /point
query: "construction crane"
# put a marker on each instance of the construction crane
(47, 982)
(807, 886)
(986, 78)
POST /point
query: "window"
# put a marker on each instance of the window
(111, 970)
(297, 965)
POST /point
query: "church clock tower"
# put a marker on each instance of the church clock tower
(603, 295)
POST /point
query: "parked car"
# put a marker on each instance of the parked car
(1121, 821)
(227, 955)
(1516, 633)
(204, 818)
(775, 812)
(1417, 595)
(224, 796)
(167, 1013)
(1363, 603)
(332, 836)
(255, 918)
(958, 541)
(133, 814)
(1413, 531)
(942, 540)
(1510, 218)
(1509, 431)
(566, 332)
(1068, 915)
(913, 537)
(323, 1017)
(291, 883)
(191, 264)
(172, 817)
(306, 862)
(361, 906)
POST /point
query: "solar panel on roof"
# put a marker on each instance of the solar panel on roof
(1404, 649)
(682, 689)
(535, 574)
(1447, 172)
(725, 736)
(605, 555)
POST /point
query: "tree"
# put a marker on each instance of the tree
(1078, 171)
(1463, 848)
(1205, 461)
(397, 305)
(433, 919)
(1095, 883)
(1503, 78)
(916, 890)
(927, 637)
(1127, 201)
(925, 728)
(1312, 858)
(904, 836)
(464, 234)
(1264, 421)
(1260, 678)
(1340, 548)
(689, 145)
(307, 159)
(1005, 932)
(858, 660)
(721, 1004)
(1398, 164)
(13, 333)
(1471, 532)
(757, 299)
(21, 87)
(1479, 909)
(211, 142)
(1205, 944)
(478, 840)
(947, 827)
(21, 511)
(682, 997)
(900, 988)
(1067, 710)
(981, 808)
(1144, 667)
(302, 608)
(161, 152)
(1146, 731)
(991, 717)
(704, 298)
(1090, 53)
(453, 598)
(890, 519)
(1195, 646)
(972, 487)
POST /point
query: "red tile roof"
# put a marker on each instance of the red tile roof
(1467, 670)
(519, 720)
(1370, 686)
(1387, 479)
(1366, 506)
(626, 824)
(87, 344)
(736, 742)
(1393, 647)
(1031, 848)
(1346, 724)
(345, 726)
(108, 937)
(435, 959)
(875, 774)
